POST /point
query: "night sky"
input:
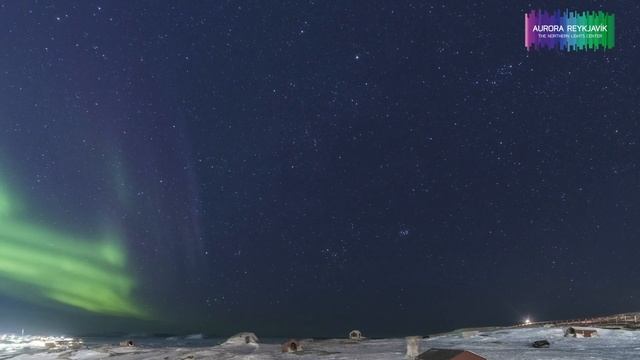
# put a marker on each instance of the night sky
(302, 168)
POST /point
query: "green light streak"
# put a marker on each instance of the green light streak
(5, 204)
(39, 264)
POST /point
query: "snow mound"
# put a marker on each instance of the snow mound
(244, 338)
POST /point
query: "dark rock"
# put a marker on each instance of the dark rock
(541, 344)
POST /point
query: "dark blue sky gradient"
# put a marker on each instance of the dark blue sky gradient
(307, 167)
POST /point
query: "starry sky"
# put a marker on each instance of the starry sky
(301, 168)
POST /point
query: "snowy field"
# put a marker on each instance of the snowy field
(496, 344)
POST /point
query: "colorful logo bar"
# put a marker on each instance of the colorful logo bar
(569, 30)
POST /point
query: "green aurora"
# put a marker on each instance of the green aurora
(41, 265)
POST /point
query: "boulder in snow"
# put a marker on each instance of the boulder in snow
(127, 343)
(541, 344)
(291, 345)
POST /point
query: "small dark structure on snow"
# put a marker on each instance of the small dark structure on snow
(355, 335)
(449, 354)
(541, 344)
(580, 332)
(291, 345)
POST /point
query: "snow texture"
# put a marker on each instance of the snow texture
(499, 344)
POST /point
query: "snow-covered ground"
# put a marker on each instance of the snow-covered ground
(502, 344)
(516, 344)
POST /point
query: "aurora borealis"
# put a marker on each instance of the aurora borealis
(39, 264)
(5, 205)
